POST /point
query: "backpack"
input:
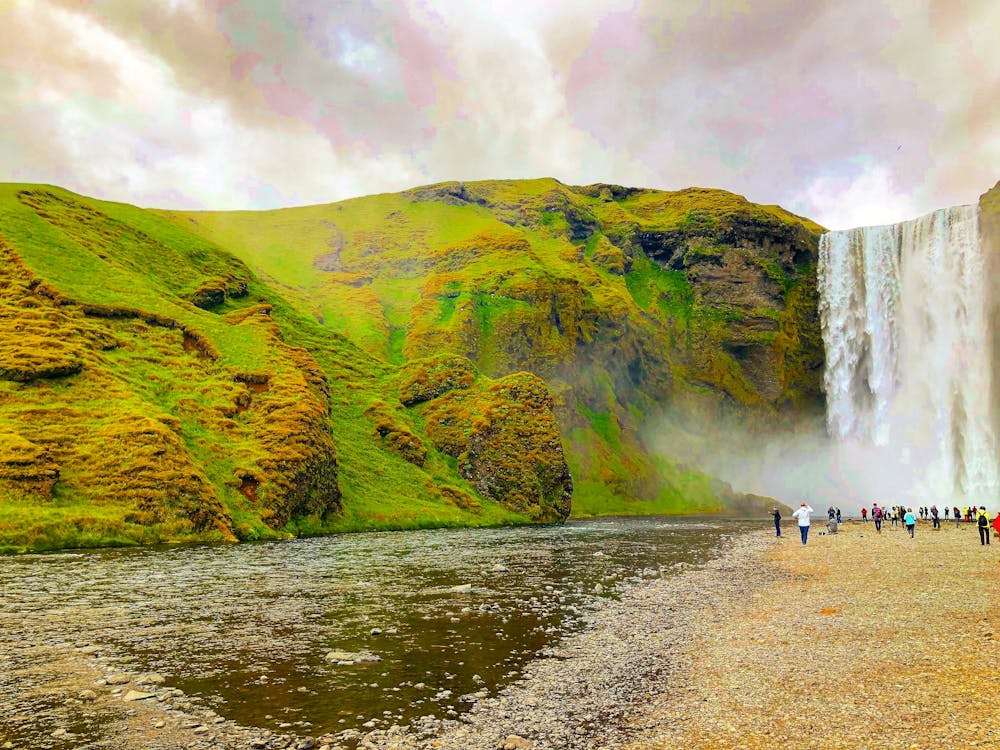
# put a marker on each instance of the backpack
(982, 520)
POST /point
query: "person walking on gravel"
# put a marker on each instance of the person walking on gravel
(777, 521)
(877, 516)
(910, 519)
(935, 518)
(864, 515)
(803, 515)
(958, 518)
(983, 522)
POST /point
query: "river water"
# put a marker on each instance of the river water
(244, 629)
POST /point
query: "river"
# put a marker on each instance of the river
(244, 629)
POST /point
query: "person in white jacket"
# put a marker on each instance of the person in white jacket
(803, 516)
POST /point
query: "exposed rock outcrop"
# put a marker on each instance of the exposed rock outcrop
(507, 444)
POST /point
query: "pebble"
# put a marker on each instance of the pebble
(352, 657)
(135, 695)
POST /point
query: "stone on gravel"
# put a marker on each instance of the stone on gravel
(135, 695)
(516, 742)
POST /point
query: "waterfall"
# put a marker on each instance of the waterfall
(904, 314)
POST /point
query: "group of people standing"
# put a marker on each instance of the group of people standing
(898, 514)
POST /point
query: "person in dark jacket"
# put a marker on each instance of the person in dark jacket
(777, 521)
(983, 522)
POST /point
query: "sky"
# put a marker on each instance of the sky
(853, 113)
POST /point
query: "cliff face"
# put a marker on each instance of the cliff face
(626, 302)
(989, 227)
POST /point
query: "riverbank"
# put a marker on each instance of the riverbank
(853, 641)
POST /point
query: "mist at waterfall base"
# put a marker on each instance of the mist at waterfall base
(905, 312)
(800, 464)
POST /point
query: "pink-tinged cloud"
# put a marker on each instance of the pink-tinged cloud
(203, 101)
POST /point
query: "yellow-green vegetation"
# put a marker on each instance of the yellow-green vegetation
(429, 358)
(624, 301)
(507, 444)
(152, 389)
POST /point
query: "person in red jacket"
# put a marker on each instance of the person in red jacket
(864, 514)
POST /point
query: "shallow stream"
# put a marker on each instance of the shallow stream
(245, 629)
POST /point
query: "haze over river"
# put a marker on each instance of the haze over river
(245, 629)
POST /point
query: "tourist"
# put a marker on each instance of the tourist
(777, 521)
(958, 517)
(877, 516)
(946, 513)
(935, 519)
(802, 514)
(830, 513)
(983, 522)
(864, 515)
(996, 526)
(894, 515)
(910, 520)
(838, 516)
(831, 526)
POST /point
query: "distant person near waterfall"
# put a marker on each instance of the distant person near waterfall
(958, 518)
(803, 515)
(983, 522)
(935, 518)
(777, 521)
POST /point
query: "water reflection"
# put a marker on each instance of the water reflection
(247, 627)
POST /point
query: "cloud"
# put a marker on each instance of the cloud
(867, 198)
(228, 103)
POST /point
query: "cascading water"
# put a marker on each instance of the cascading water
(904, 313)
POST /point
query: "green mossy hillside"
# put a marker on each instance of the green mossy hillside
(626, 302)
(153, 389)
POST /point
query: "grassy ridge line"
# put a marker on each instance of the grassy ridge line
(535, 275)
(151, 269)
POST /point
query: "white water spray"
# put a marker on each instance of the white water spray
(909, 360)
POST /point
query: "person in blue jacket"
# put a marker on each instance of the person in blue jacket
(910, 520)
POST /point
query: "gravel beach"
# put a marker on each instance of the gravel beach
(856, 640)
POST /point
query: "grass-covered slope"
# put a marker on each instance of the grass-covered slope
(153, 389)
(628, 303)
